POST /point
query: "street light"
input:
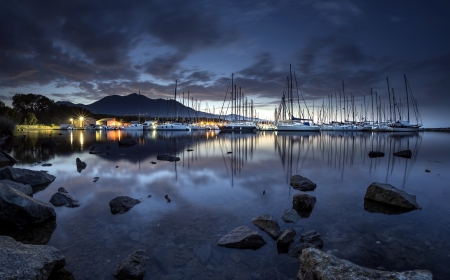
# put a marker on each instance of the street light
(81, 121)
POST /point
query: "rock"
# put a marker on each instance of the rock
(95, 179)
(132, 267)
(312, 237)
(290, 216)
(80, 165)
(303, 202)
(388, 194)
(22, 261)
(286, 237)
(167, 158)
(25, 176)
(122, 204)
(24, 188)
(403, 154)
(316, 264)
(63, 198)
(269, 224)
(375, 154)
(167, 198)
(426, 170)
(31, 234)
(296, 250)
(6, 159)
(372, 206)
(49, 143)
(127, 142)
(242, 237)
(18, 209)
(47, 164)
(301, 183)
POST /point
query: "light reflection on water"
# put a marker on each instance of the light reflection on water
(218, 186)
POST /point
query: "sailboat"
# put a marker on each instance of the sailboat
(405, 125)
(174, 126)
(136, 125)
(294, 124)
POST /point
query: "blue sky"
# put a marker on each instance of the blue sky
(82, 51)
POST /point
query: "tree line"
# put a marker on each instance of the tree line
(31, 109)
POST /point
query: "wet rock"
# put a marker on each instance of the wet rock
(63, 198)
(24, 188)
(167, 198)
(47, 164)
(122, 204)
(303, 202)
(167, 158)
(242, 237)
(426, 170)
(127, 142)
(301, 183)
(376, 207)
(375, 154)
(403, 154)
(269, 224)
(80, 165)
(290, 216)
(23, 261)
(38, 234)
(48, 143)
(388, 194)
(6, 159)
(132, 267)
(18, 209)
(296, 250)
(25, 176)
(312, 237)
(95, 179)
(316, 264)
(286, 237)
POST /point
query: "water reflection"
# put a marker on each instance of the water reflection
(224, 180)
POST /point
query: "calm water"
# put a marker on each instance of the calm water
(219, 186)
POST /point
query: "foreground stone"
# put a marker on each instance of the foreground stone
(301, 183)
(22, 261)
(242, 237)
(18, 209)
(388, 194)
(403, 154)
(132, 267)
(303, 202)
(269, 224)
(25, 176)
(25, 188)
(63, 198)
(122, 204)
(316, 264)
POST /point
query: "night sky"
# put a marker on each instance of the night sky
(82, 51)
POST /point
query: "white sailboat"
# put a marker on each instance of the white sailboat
(174, 126)
(136, 125)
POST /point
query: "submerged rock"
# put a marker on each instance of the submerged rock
(269, 224)
(388, 194)
(18, 209)
(372, 206)
(167, 158)
(25, 176)
(375, 154)
(286, 237)
(242, 237)
(312, 237)
(132, 267)
(316, 264)
(303, 202)
(301, 183)
(290, 216)
(122, 204)
(63, 198)
(403, 154)
(22, 261)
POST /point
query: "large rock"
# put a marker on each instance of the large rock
(269, 224)
(12, 160)
(122, 204)
(132, 267)
(18, 209)
(25, 188)
(303, 202)
(25, 176)
(403, 154)
(316, 264)
(312, 237)
(388, 194)
(22, 261)
(301, 183)
(63, 198)
(242, 237)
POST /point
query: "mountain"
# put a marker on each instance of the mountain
(132, 104)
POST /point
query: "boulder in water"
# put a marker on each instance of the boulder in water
(388, 194)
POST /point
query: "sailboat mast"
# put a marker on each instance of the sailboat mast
(407, 100)
(290, 96)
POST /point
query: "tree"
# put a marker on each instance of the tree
(34, 103)
(30, 119)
